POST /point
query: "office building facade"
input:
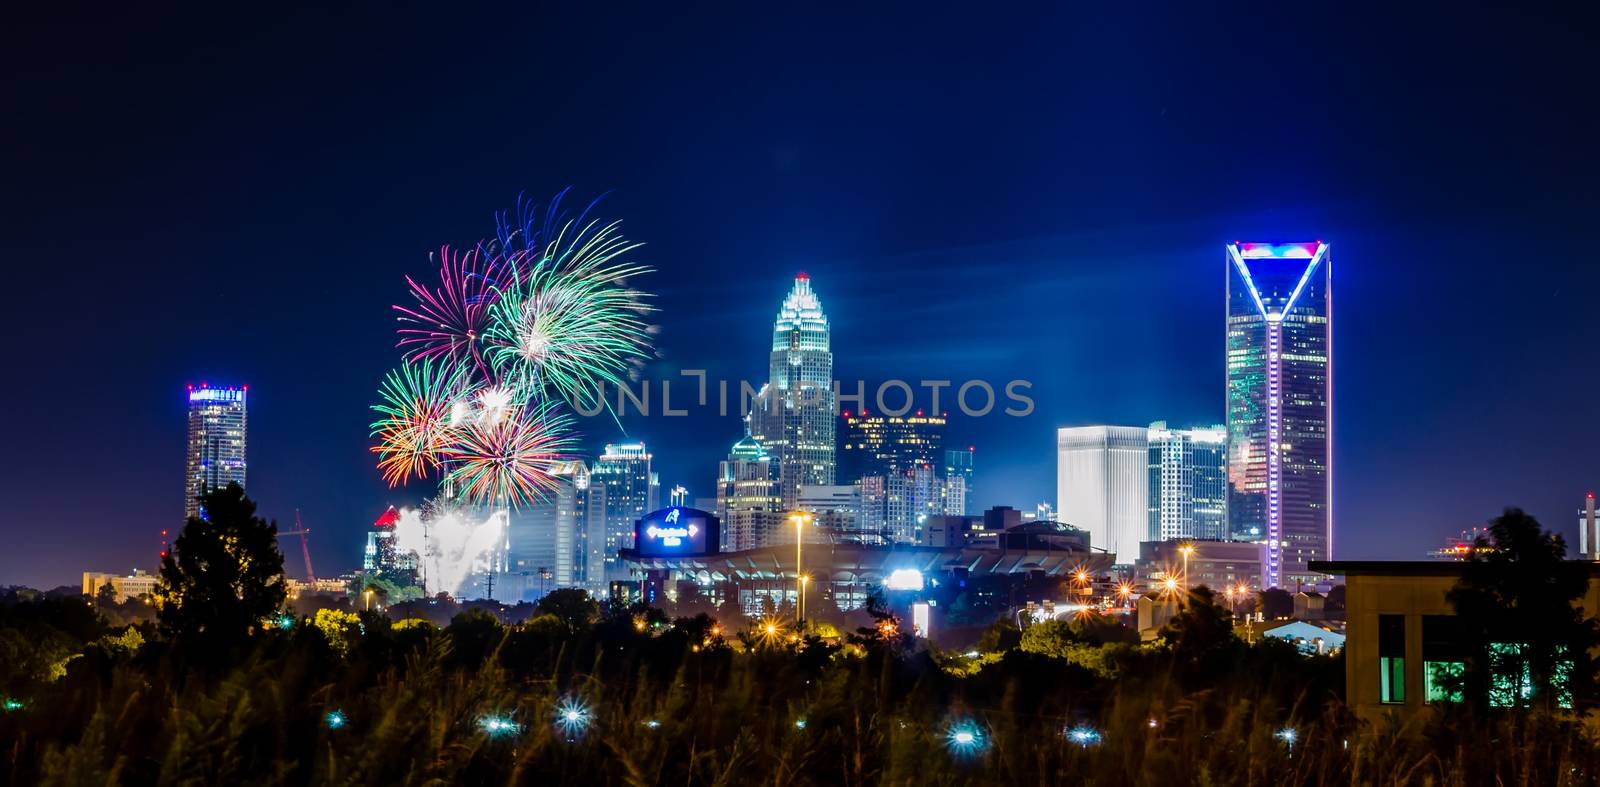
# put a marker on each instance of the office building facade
(1102, 485)
(1279, 384)
(1188, 477)
(793, 418)
(630, 491)
(748, 496)
(216, 458)
(958, 467)
(880, 444)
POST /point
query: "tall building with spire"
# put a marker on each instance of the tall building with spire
(794, 416)
(216, 442)
(1280, 376)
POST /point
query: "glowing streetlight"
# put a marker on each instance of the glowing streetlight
(805, 583)
(1186, 550)
(572, 716)
(799, 545)
(368, 594)
(1083, 735)
(336, 719)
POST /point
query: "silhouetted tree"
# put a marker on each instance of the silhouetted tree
(224, 574)
(572, 606)
(1515, 605)
(1274, 603)
(1202, 631)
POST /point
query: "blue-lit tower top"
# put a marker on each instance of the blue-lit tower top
(1279, 389)
(794, 418)
(216, 442)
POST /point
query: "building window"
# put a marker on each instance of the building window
(1443, 658)
(1392, 658)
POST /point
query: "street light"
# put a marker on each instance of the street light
(799, 543)
(805, 583)
(1186, 551)
(368, 594)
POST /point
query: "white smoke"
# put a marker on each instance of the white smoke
(453, 543)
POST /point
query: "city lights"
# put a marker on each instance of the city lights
(904, 579)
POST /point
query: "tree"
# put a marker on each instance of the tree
(1274, 603)
(1526, 642)
(572, 606)
(224, 573)
(1203, 628)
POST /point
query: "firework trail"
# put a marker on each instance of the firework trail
(419, 399)
(448, 322)
(509, 460)
(569, 321)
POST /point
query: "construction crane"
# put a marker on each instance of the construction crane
(305, 550)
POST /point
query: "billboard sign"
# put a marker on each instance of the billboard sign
(677, 531)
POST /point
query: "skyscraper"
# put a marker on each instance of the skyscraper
(1188, 474)
(544, 537)
(1102, 485)
(793, 418)
(748, 499)
(1279, 343)
(216, 442)
(879, 444)
(748, 496)
(958, 480)
(624, 473)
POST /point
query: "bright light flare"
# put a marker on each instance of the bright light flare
(336, 719)
(573, 716)
(499, 726)
(1083, 735)
(1288, 735)
(964, 738)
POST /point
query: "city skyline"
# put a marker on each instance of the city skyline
(1077, 248)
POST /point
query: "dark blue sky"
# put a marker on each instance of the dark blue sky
(1039, 194)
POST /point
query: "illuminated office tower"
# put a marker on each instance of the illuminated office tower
(216, 442)
(623, 471)
(1188, 495)
(1279, 342)
(748, 499)
(794, 417)
(1102, 485)
(544, 536)
(879, 444)
(958, 480)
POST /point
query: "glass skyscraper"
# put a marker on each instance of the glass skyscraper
(748, 497)
(216, 442)
(793, 418)
(1188, 495)
(1279, 342)
(629, 492)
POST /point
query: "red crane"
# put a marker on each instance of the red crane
(305, 550)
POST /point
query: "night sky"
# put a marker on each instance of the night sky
(1042, 195)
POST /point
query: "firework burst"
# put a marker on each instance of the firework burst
(569, 321)
(448, 321)
(416, 424)
(509, 460)
(536, 317)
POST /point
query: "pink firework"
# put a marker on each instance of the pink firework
(448, 322)
(510, 460)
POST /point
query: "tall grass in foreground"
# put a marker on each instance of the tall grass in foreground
(679, 708)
